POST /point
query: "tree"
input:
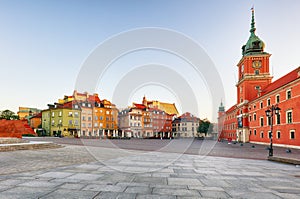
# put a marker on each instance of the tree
(8, 115)
(205, 127)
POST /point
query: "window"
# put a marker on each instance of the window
(101, 118)
(250, 118)
(96, 117)
(292, 134)
(288, 94)
(53, 114)
(269, 102)
(269, 121)
(250, 132)
(254, 116)
(76, 106)
(289, 117)
(83, 118)
(261, 121)
(76, 122)
(89, 105)
(277, 98)
(277, 118)
(261, 104)
(70, 121)
(278, 134)
(256, 72)
(60, 114)
(254, 131)
(52, 123)
(83, 104)
(70, 114)
(59, 121)
(261, 134)
(89, 118)
(83, 124)
(76, 114)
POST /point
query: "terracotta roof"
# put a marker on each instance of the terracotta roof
(81, 94)
(39, 115)
(291, 76)
(94, 98)
(188, 117)
(139, 106)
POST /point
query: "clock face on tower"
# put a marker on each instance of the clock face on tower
(256, 64)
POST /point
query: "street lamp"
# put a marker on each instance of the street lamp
(269, 113)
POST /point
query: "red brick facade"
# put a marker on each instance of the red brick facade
(246, 121)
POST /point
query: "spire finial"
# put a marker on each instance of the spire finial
(252, 30)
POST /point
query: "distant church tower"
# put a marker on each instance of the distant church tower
(253, 74)
(221, 118)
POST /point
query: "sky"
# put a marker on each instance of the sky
(45, 44)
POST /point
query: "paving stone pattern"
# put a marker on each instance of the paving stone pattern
(139, 175)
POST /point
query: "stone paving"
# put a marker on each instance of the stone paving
(72, 172)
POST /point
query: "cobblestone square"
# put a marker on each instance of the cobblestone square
(73, 172)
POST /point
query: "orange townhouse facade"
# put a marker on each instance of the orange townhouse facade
(247, 120)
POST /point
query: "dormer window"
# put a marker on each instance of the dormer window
(256, 44)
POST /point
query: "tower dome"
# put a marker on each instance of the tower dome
(254, 44)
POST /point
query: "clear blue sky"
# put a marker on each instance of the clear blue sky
(44, 43)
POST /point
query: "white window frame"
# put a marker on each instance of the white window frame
(276, 98)
(291, 134)
(261, 134)
(286, 94)
(278, 133)
(269, 102)
(261, 123)
(287, 118)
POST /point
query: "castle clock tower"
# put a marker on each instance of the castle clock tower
(253, 74)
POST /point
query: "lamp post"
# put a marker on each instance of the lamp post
(270, 113)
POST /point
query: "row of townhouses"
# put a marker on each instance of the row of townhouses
(80, 115)
(85, 115)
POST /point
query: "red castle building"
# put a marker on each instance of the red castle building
(246, 121)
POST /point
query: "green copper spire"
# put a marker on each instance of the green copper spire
(221, 107)
(252, 30)
(254, 44)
